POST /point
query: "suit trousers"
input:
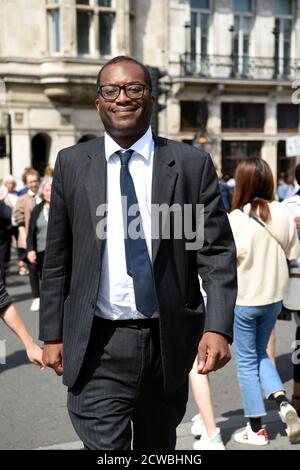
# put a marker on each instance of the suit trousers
(118, 400)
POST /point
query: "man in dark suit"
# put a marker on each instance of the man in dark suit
(122, 316)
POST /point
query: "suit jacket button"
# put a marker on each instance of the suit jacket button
(92, 305)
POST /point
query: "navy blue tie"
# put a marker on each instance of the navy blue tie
(138, 262)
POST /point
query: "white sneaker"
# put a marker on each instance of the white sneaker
(210, 443)
(247, 436)
(289, 416)
(35, 306)
(197, 428)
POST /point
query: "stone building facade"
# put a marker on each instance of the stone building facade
(230, 65)
(235, 62)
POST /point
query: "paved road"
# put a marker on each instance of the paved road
(33, 412)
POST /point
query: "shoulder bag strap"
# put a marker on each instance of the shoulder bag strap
(260, 222)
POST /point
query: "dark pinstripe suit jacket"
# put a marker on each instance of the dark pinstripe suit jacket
(182, 175)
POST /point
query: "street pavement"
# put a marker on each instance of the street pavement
(33, 412)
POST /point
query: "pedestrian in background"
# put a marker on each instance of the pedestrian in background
(37, 232)
(5, 229)
(12, 319)
(225, 191)
(204, 423)
(48, 171)
(22, 213)
(282, 187)
(265, 237)
(11, 200)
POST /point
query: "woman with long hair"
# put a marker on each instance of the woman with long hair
(265, 238)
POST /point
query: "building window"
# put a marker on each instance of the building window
(106, 21)
(83, 32)
(283, 37)
(104, 3)
(203, 4)
(243, 6)
(200, 18)
(53, 17)
(193, 116)
(288, 117)
(100, 3)
(235, 151)
(239, 116)
(95, 25)
(40, 150)
(241, 37)
(283, 7)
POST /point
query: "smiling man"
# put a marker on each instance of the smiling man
(122, 316)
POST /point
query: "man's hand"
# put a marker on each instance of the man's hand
(31, 255)
(213, 352)
(53, 356)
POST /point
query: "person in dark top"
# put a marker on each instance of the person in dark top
(5, 229)
(225, 191)
(36, 238)
(12, 319)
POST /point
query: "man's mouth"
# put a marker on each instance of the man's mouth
(125, 110)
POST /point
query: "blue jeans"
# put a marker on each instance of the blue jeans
(252, 329)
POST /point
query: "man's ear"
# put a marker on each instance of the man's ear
(97, 103)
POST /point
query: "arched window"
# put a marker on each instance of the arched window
(40, 149)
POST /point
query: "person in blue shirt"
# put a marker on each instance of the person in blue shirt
(225, 191)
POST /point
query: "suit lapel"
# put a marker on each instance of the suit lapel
(95, 183)
(163, 182)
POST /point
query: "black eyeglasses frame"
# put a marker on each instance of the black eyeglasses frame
(123, 87)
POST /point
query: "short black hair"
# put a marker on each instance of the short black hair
(125, 58)
(297, 173)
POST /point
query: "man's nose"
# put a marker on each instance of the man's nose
(123, 98)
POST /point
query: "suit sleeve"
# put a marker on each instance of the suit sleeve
(57, 263)
(217, 257)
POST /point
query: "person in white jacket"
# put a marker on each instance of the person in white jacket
(265, 237)
(293, 205)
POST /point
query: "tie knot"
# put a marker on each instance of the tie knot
(125, 156)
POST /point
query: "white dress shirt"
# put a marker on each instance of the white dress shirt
(116, 299)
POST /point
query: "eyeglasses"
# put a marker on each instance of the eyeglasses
(133, 91)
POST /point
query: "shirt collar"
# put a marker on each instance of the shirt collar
(143, 146)
(31, 193)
